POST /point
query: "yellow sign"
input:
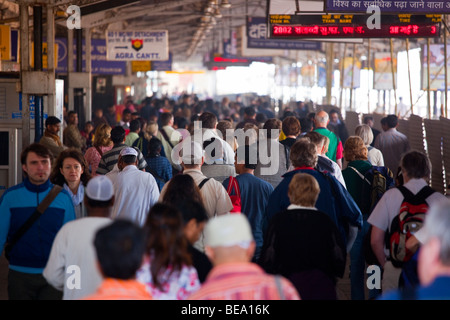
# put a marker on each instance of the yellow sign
(5, 42)
(44, 55)
(140, 66)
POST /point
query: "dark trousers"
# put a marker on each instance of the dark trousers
(27, 286)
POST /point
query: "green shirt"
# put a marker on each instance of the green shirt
(334, 141)
(353, 181)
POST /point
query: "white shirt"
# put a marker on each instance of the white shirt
(389, 205)
(296, 206)
(174, 137)
(375, 157)
(215, 198)
(112, 175)
(337, 171)
(135, 193)
(73, 246)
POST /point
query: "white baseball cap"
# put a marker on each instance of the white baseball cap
(128, 151)
(100, 188)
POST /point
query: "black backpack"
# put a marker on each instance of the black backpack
(377, 181)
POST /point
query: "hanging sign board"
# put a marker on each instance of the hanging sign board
(389, 6)
(5, 42)
(150, 45)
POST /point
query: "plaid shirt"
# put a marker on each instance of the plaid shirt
(110, 158)
(159, 166)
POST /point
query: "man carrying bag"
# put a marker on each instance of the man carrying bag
(28, 229)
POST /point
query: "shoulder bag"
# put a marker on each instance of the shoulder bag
(235, 199)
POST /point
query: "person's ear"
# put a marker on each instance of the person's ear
(210, 253)
(251, 250)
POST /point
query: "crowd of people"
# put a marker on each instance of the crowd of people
(200, 199)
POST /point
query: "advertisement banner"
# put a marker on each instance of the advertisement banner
(437, 65)
(308, 73)
(383, 71)
(349, 69)
(137, 45)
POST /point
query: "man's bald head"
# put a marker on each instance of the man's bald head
(321, 119)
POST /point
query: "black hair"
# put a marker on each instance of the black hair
(120, 247)
(261, 117)
(135, 125)
(154, 147)
(129, 159)
(367, 119)
(249, 111)
(117, 134)
(181, 122)
(191, 209)
(305, 125)
(392, 121)
(51, 120)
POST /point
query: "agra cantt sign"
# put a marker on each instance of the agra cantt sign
(137, 45)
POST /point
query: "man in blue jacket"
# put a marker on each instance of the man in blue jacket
(29, 255)
(334, 199)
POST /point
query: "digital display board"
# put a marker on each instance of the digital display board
(353, 26)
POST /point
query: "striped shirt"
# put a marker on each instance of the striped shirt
(243, 281)
(110, 158)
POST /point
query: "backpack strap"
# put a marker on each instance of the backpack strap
(405, 192)
(286, 153)
(361, 175)
(99, 150)
(166, 137)
(232, 182)
(203, 182)
(425, 192)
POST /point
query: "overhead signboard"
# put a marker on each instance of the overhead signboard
(353, 26)
(5, 42)
(99, 64)
(389, 6)
(257, 38)
(140, 66)
(137, 45)
(165, 65)
(279, 9)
